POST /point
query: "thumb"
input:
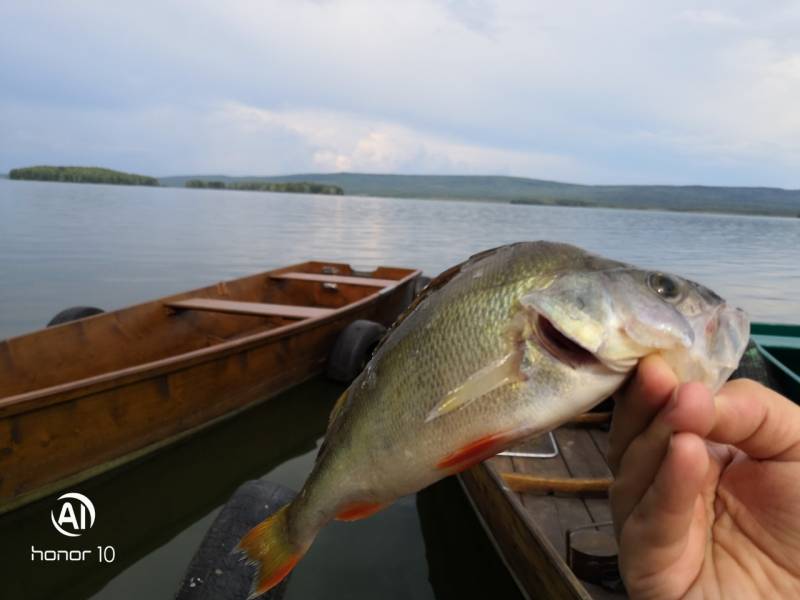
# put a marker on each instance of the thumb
(758, 421)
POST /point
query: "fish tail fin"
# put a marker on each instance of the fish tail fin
(269, 547)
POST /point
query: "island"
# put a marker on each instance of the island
(80, 175)
(294, 187)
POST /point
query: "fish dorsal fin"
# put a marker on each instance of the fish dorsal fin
(480, 383)
(435, 285)
(336, 412)
(337, 408)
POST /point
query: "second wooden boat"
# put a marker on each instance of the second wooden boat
(83, 397)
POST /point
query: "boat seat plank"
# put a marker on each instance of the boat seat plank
(261, 309)
(365, 281)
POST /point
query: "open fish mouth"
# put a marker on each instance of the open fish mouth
(560, 346)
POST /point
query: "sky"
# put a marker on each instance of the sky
(612, 91)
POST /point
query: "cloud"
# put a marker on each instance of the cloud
(710, 17)
(344, 142)
(617, 91)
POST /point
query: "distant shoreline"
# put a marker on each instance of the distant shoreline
(697, 211)
(519, 190)
(766, 202)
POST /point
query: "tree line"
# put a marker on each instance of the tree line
(80, 175)
(295, 187)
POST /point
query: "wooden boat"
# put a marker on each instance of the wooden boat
(555, 543)
(83, 397)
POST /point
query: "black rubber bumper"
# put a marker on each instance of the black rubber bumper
(217, 573)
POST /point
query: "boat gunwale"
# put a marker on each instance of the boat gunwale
(40, 398)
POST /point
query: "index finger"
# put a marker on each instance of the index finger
(757, 420)
(638, 403)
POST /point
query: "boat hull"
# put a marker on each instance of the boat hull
(55, 438)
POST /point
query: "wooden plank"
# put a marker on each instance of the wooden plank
(251, 308)
(365, 281)
(584, 460)
(580, 453)
(600, 439)
(553, 514)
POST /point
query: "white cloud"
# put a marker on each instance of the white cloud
(346, 142)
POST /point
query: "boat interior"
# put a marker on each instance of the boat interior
(185, 322)
(576, 525)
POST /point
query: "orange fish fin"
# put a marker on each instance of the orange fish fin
(474, 452)
(268, 547)
(360, 510)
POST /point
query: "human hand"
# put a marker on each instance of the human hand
(706, 500)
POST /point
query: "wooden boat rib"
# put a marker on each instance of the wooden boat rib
(538, 533)
(83, 397)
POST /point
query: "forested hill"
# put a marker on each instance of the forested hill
(80, 175)
(741, 200)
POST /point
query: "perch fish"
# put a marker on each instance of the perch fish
(509, 344)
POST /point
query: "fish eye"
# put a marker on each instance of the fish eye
(665, 286)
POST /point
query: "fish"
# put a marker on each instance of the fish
(507, 345)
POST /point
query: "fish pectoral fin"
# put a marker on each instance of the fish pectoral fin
(479, 384)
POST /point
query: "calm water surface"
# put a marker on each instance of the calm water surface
(68, 244)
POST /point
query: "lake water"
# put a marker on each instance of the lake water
(68, 244)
